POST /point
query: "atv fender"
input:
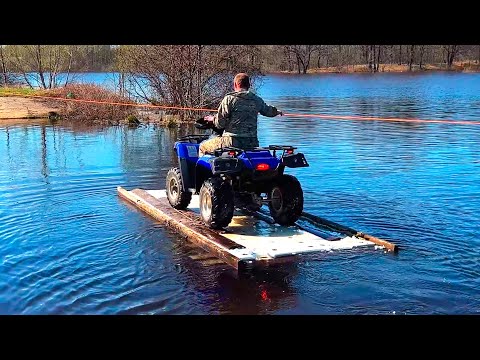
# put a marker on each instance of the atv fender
(188, 180)
(294, 160)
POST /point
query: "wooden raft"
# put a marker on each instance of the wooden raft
(249, 241)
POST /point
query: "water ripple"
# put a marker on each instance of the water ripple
(69, 245)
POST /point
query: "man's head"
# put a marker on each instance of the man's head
(241, 82)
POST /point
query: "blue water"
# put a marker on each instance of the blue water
(69, 245)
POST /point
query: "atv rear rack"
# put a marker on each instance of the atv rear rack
(275, 147)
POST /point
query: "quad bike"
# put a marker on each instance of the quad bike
(232, 178)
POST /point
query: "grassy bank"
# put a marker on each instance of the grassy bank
(16, 103)
(14, 107)
(15, 91)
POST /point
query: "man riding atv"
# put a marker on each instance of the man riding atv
(237, 115)
(230, 171)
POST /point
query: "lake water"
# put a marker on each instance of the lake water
(69, 245)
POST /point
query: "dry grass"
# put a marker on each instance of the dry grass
(15, 91)
(91, 112)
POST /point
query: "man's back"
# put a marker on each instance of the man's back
(238, 113)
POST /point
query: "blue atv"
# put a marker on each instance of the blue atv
(230, 178)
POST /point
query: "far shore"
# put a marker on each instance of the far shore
(465, 66)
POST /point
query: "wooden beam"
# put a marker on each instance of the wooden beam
(195, 231)
(349, 231)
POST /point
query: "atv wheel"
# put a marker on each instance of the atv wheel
(177, 197)
(286, 197)
(216, 203)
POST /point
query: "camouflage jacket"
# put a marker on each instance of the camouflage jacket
(238, 111)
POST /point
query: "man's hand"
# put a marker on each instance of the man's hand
(279, 113)
(209, 118)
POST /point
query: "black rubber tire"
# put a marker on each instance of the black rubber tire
(289, 207)
(177, 197)
(220, 195)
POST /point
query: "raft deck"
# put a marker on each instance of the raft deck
(251, 240)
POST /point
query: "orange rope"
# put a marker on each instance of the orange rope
(346, 117)
(320, 116)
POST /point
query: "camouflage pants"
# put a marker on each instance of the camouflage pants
(215, 143)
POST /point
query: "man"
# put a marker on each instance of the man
(237, 115)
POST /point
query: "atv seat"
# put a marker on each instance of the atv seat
(224, 150)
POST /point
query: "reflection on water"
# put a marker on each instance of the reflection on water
(69, 245)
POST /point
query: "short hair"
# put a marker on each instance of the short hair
(242, 80)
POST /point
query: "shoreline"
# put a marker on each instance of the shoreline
(22, 108)
(465, 66)
(457, 67)
(18, 109)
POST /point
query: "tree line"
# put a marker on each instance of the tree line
(301, 58)
(19, 60)
(200, 75)
(42, 65)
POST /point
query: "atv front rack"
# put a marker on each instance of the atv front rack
(195, 139)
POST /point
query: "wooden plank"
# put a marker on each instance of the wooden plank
(349, 231)
(195, 232)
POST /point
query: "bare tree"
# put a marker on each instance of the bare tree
(411, 57)
(185, 75)
(450, 52)
(339, 58)
(322, 53)
(3, 61)
(420, 55)
(288, 56)
(378, 57)
(373, 53)
(45, 66)
(303, 55)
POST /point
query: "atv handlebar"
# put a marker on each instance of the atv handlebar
(203, 124)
